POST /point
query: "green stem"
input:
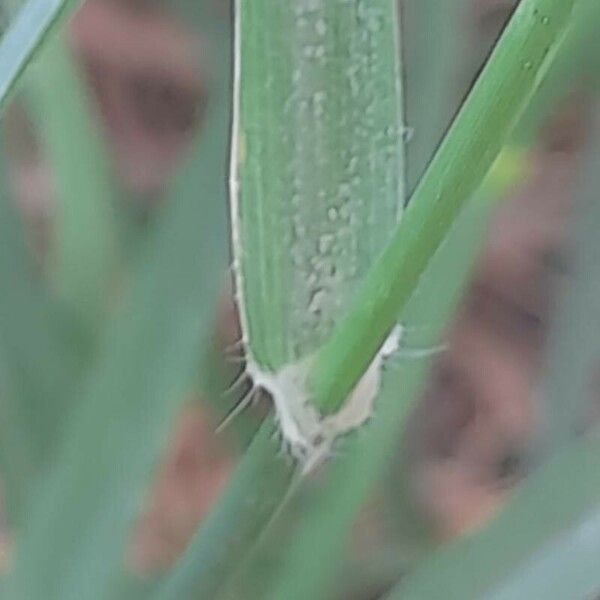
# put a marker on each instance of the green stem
(510, 78)
(85, 239)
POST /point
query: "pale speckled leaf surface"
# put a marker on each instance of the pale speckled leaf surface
(319, 173)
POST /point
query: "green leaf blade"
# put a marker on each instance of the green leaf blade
(565, 390)
(233, 527)
(434, 49)
(25, 35)
(547, 507)
(74, 544)
(318, 158)
(85, 239)
(40, 364)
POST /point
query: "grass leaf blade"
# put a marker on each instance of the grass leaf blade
(458, 168)
(85, 239)
(40, 363)
(574, 348)
(431, 70)
(25, 35)
(74, 544)
(317, 161)
(234, 525)
(547, 507)
(316, 549)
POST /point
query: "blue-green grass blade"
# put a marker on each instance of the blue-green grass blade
(317, 164)
(566, 390)
(84, 249)
(433, 38)
(26, 33)
(543, 513)
(41, 359)
(79, 521)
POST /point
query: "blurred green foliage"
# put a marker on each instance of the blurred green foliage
(98, 351)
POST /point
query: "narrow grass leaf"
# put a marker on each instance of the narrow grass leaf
(575, 68)
(74, 544)
(563, 568)
(473, 142)
(318, 164)
(39, 360)
(433, 39)
(547, 510)
(259, 485)
(85, 239)
(26, 34)
(434, 53)
(565, 392)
